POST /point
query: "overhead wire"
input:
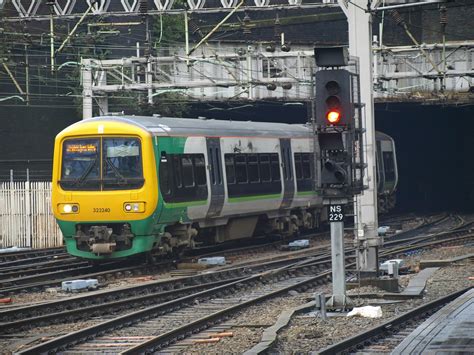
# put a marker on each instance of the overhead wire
(77, 45)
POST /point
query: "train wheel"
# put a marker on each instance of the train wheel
(382, 205)
(94, 263)
(178, 252)
(150, 258)
(391, 202)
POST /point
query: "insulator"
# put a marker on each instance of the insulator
(397, 17)
(246, 25)
(271, 86)
(270, 47)
(285, 48)
(443, 16)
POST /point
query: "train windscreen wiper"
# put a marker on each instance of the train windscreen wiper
(84, 175)
(115, 170)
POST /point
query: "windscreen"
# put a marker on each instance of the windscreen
(81, 164)
(122, 163)
(101, 164)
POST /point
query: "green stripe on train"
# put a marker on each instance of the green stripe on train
(253, 198)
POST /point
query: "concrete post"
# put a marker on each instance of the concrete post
(338, 299)
(102, 100)
(360, 45)
(149, 80)
(320, 301)
(86, 72)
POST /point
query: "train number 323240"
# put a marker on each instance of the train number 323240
(101, 210)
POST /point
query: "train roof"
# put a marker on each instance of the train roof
(170, 126)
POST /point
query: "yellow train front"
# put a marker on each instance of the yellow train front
(99, 196)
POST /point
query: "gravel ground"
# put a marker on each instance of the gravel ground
(250, 325)
(306, 333)
(9, 346)
(440, 253)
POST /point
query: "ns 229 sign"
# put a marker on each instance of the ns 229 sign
(335, 213)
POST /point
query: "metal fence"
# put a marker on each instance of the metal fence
(26, 170)
(26, 218)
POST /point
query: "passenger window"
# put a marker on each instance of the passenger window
(240, 169)
(230, 169)
(183, 177)
(187, 169)
(275, 163)
(298, 166)
(252, 161)
(306, 165)
(200, 170)
(178, 177)
(165, 174)
(389, 166)
(265, 174)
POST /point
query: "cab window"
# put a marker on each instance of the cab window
(101, 164)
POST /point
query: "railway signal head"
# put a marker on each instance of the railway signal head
(334, 172)
(333, 116)
(334, 106)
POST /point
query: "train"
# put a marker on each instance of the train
(129, 185)
(387, 172)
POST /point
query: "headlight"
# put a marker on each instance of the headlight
(134, 207)
(68, 208)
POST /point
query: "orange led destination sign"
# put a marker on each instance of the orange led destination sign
(81, 148)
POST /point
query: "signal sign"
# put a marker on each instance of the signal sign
(335, 213)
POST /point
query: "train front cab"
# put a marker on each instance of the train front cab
(387, 172)
(104, 193)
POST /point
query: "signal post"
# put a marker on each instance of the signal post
(359, 20)
(338, 159)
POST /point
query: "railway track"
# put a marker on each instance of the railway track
(24, 256)
(433, 225)
(36, 279)
(34, 260)
(383, 338)
(110, 301)
(51, 272)
(114, 270)
(133, 343)
(55, 264)
(187, 314)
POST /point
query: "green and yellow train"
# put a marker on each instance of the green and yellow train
(130, 185)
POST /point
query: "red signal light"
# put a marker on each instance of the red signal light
(333, 116)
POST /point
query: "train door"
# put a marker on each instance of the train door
(288, 178)
(216, 176)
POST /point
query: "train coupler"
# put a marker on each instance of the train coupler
(103, 248)
(104, 239)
